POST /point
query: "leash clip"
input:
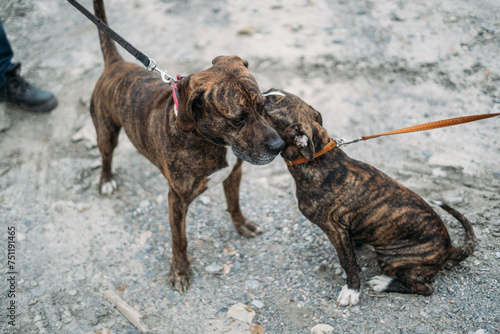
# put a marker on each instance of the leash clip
(342, 142)
(165, 77)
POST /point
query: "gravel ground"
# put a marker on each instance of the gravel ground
(368, 66)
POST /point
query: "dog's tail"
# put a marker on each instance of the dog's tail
(108, 46)
(461, 253)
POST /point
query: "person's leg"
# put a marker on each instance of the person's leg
(14, 89)
(6, 54)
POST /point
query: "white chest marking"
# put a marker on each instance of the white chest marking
(222, 174)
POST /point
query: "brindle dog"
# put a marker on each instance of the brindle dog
(354, 203)
(219, 108)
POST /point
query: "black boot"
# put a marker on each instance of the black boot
(18, 91)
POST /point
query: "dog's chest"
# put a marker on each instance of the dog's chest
(222, 174)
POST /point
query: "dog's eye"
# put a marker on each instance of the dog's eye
(238, 121)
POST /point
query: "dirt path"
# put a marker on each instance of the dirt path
(367, 66)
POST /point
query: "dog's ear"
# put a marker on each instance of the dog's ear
(317, 116)
(300, 136)
(188, 100)
(229, 58)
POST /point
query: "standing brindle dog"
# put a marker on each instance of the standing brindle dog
(219, 108)
(354, 203)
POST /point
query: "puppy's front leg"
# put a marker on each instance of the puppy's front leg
(180, 271)
(339, 237)
(232, 191)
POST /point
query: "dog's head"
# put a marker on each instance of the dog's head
(224, 105)
(296, 122)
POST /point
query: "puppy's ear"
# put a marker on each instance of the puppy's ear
(300, 136)
(317, 116)
(188, 100)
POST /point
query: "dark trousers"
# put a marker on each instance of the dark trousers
(6, 54)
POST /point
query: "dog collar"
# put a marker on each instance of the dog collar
(176, 93)
(328, 147)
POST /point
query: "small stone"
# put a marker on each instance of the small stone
(144, 204)
(252, 284)
(72, 292)
(480, 331)
(21, 236)
(241, 312)
(248, 30)
(256, 329)
(257, 304)
(226, 268)
(205, 200)
(497, 255)
(213, 268)
(322, 329)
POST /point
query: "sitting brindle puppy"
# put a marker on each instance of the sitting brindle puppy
(218, 109)
(354, 203)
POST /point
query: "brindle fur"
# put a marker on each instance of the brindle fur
(190, 147)
(353, 202)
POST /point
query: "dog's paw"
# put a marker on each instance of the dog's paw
(348, 297)
(379, 283)
(249, 229)
(108, 188)
(179, 280)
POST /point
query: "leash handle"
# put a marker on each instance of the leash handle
(433, 125)
(112, 34)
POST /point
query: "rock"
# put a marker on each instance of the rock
(252, 284)
(256, 329)
(248, 30)
(213, 268)
(322, 329)
(257, 304)
(241, 312)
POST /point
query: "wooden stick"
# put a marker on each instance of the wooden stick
(128, 311)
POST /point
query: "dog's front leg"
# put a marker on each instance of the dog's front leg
(339, 237)
(232, 191)
(180, 271)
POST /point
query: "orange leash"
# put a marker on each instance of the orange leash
(422, 127)
(434, 125)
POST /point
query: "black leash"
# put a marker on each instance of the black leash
(112, 34)
(149, 63)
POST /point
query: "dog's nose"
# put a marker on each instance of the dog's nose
(275, 145)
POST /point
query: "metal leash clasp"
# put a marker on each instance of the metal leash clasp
(342, 142)
(165, 77)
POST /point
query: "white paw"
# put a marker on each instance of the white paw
(348, 297)
(301, 141)
(108, 188)
(379, 283)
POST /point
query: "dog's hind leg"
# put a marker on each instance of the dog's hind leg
(232, 191)
(409, 280)
(107, 139)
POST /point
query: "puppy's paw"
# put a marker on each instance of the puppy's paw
(379, 283)
(301, 141)
(249, 229)
(108, 188)
(348, 297)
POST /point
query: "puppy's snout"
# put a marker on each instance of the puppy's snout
(275, 145)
